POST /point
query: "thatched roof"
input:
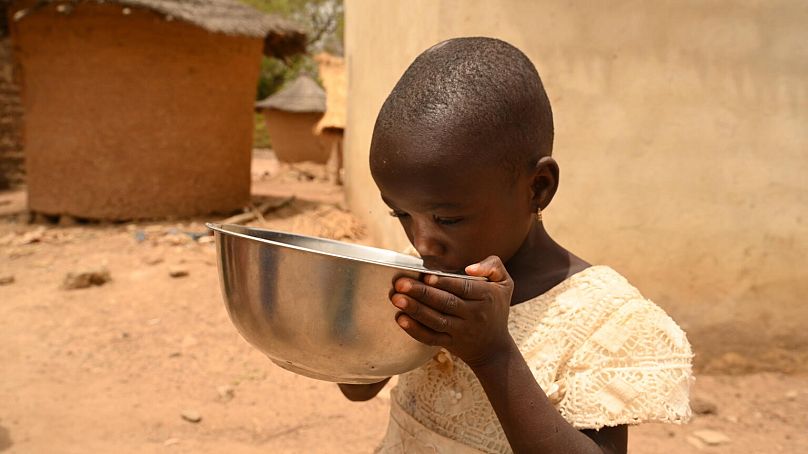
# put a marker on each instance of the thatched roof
(301, 95)
(231, 17)
(335, 82)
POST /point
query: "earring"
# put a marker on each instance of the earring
(538, 215)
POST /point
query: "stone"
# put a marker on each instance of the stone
(191, 416)
(177, 271)
(790, 395)
(85, 279)
(6, 279)
(206, 240)
(153, 260)
(226, 392)
(702, 406)
(171, 442)
(710, 437)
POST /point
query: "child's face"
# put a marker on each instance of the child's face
(458, 213)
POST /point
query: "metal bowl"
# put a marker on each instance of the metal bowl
(318, 307)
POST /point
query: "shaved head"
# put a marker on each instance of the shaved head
(465, 100)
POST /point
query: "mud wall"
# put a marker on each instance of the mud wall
(293, 137)
(129, 114)
(680, 131)
(11, 155)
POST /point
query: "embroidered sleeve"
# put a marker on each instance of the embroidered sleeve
(635, 367)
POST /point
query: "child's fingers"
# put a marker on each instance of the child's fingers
(467, 289)
(442, 301)
(424, 314)
(492, 268)
(421, 333)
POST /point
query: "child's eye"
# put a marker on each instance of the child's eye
(398, 214)
(447, 221)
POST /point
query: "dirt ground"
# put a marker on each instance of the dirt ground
(113, 368)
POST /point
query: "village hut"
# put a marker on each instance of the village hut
(11, 154)
(140, 108)
(291, 116)
(331, 127)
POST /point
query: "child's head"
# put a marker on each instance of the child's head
(461, 151)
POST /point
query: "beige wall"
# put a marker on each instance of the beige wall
(132, 115)
(681, 134)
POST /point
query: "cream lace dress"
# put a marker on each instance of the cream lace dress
(602, 353)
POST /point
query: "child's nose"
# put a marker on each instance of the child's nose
(425, 241)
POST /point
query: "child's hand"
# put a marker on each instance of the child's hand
(467, 317)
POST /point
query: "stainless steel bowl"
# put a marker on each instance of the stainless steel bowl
(318, 307)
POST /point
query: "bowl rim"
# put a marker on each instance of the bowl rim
(222, 229)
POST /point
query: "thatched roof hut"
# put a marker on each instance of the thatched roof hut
(141, 108)
(292, 115)
(230, 17)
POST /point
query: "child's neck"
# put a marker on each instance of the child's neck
(540, 264)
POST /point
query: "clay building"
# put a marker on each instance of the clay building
(291, 117)
(11, 154)
(140, 108)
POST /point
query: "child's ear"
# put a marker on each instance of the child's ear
(545, 182)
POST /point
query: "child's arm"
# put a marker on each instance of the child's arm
(470, 319)
(361, 393)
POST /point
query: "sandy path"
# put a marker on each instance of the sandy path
(111, 368)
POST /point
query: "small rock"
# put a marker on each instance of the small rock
(790, 395)
(710, 437)
(171, 442)
(140, 236)
(153, 321)
(34, 236)
(701, 406)
(85, 279)
(226, 392)
(732, 418)
(153, 260)
(7, 279)
(191, 416)
(206, 240)
(177, 271)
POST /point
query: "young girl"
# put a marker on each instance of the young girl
(550, 354)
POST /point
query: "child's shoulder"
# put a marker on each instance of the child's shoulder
(598, 313)
(622, 359)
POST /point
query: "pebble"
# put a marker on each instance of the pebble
(710, 437)
(153, 260)
(732, 418)
(177, 271)
(85, 279)
(171, 441)
(7, 279)
(226, 392)
(790, 395)
(191, 416)
(701, 406)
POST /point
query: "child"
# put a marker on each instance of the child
(550, 354)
